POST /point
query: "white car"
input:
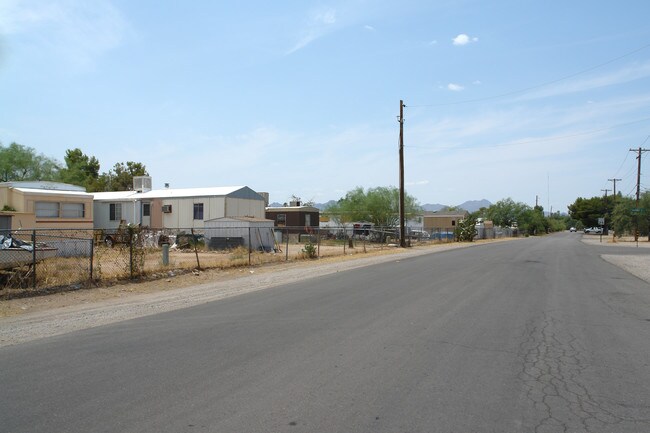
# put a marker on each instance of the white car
(594, 230)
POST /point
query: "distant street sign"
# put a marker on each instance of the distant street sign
(638, 210)
(601, 221)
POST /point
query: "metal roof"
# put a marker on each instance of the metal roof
(169, 193)
(293, 209)
(43, 185)
(57, 192)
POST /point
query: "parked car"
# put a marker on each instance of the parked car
(572, 229)
(594, 230)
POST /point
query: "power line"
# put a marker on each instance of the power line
(540, 140)
(537, 86)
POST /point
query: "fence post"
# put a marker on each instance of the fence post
(92, 256)
(34, 259)
(131, 253)
(287, 249)
(196, 252)
(249, 245)
(318, 240)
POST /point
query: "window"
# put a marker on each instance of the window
(453, 223)
(198, 211)
(46, 209)
(146, 209)
(115, 212)
(307, 220)
(72, 210)
(281, 219)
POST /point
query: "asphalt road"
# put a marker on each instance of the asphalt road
(538, 335)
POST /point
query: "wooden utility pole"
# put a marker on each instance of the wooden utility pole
(402, 229)
(638, 191)
(614, 180)
(606, 211)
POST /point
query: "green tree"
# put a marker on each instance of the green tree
(379, 206)
(627, 216)
(18, 162)
(80, 170)
(588, 210)
(623, 221)
(533, 222)
(506, 212)
(120, 177)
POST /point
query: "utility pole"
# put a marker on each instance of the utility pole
(638, 191)
(402, 229)
(606, 211)
(614, 180)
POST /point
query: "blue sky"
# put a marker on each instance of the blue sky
(519, 99)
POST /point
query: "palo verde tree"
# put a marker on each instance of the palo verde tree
(379, 206)
(18, 162)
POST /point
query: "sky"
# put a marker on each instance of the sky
(539, 102)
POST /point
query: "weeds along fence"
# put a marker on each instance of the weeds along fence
(50, 260)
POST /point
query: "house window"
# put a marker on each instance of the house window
(46, 209)
(453, 223)
(198, 211)
(307, 220)
(72, 210)
(146, 209)
(115, 212)
(281, 219)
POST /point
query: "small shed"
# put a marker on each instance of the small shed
(296, 219)
(227, 232)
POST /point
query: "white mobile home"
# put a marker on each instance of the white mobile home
(182, 208)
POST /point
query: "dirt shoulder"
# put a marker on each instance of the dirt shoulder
(28, 319)
(636, 264)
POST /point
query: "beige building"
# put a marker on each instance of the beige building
(443, 220)
(40, 205)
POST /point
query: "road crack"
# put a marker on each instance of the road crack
(553, 376)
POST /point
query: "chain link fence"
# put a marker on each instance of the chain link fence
(35, 262)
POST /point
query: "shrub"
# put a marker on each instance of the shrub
(310, 250)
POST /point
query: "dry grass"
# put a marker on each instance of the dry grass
(112, 265)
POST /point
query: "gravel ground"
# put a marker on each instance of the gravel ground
(23, 320)
(638, 265)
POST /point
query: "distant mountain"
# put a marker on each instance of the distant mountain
(433, 207)
(469, 206)
(322, 206)
(474, 205)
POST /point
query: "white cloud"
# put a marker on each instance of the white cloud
(463, 39)
(623, 75)
(433, 42)
(477, 82)
(368, 27)
(320, 23)
(455, 87)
